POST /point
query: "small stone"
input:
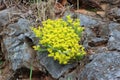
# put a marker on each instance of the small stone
(105, 6)
(97, 42)
(101, 13)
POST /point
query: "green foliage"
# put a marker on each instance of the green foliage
(92, 10)
(60, 38)
(31, 72)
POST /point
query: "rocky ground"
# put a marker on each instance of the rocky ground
(101, 40)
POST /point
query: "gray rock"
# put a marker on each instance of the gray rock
(18, 43)
(87, 21)
(105, 66)
(114, 39)
(115, 11)
(5, 16)
(113, 26)
(114, 14)
(97, 42)
(96, 35)
(24, 25)
(53, 67)
(69, 76)
(95, 28)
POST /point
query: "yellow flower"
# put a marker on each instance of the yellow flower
(36, 47)
(61, 38)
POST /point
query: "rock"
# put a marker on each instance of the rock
(96, 35)
(105, 6)
(70, 76)
(115, 11)
(24, 25)
(53, 67)
(87, 21)
(95, 29)
(94, 24)
(114, 39)
(97, 42)
(114, 26)
(111, 1)
(2, 5)
(114, 14)
(101, 13)
(5, 15)
(105, 66)
(85, 12)
(86, 4)
(18, 43)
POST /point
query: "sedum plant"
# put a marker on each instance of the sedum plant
(61, 39)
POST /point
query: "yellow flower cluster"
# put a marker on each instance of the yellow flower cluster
(61, 38)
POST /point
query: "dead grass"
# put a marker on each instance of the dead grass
(44, 10)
